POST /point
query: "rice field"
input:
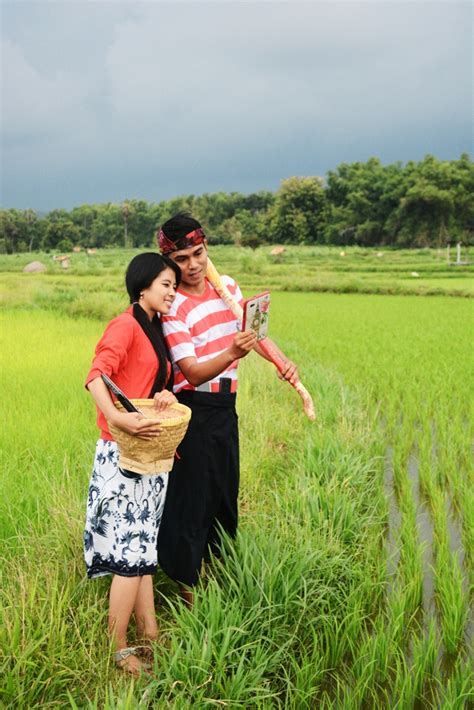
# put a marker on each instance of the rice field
(351, 582)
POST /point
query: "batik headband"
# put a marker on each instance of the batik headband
(192, 239)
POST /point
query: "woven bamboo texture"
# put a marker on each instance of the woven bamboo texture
(152, 455)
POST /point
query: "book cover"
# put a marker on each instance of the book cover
(256, 314)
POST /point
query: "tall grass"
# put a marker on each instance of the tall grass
(303, 610)
(296, 586)
(300, 268)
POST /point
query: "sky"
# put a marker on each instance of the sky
(114, 100)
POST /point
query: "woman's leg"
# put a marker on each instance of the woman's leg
(123, 594)
(144, 609)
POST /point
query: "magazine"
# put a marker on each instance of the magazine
(256, 314)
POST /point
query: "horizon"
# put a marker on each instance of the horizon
(126, 199)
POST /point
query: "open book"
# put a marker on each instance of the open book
(256, 314)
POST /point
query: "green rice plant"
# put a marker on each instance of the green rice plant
(405, 682)
(457, 693)
(219, 655)
(467, 495)
(425, 462)
(132, 699)
(424, 657)
(300, 613)
(253, 262)
(302, 677)
(452, 601)
(451, 598)
(372, 655)
(283, 585)
(312, 269)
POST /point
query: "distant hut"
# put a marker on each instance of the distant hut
(63, 260)
(277, 251)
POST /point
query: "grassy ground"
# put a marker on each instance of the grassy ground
(350, 583)
(423, 271)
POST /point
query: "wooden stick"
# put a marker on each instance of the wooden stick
(266, 345)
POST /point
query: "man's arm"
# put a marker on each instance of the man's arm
(198, 372)
(288, 370)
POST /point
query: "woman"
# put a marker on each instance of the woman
(124, 509)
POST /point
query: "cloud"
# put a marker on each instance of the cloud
(155, 99)
(36, 106)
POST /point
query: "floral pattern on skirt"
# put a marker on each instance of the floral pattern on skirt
(123, 517)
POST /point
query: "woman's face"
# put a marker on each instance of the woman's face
(159, 296)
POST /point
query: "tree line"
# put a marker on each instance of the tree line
(418, 204)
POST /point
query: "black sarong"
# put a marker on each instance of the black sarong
(203, 486)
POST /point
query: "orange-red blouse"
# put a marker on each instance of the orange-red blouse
(125, 354)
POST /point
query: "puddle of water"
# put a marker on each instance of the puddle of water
(455, 539)
(425, 533)
(425, 536)
(394, 519)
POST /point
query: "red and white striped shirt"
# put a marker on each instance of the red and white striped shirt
(201, 327)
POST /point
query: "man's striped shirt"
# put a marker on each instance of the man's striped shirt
(201, 327)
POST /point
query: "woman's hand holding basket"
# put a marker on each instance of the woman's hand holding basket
(136, 424)
(162, 400)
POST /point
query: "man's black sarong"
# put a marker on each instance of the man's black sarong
(203, 486)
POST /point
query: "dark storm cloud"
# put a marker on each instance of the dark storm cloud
(103, 101)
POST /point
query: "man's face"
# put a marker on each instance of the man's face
(193, 264)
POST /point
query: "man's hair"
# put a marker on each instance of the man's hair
(179, 226)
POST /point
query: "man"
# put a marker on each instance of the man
(205, 345)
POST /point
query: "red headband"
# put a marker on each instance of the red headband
(192, 239)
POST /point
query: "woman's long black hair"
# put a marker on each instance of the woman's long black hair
(141, 272)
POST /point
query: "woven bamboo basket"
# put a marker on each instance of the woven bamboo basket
(152, 455)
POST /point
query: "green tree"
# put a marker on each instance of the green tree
(436, 204)
(83, 217)
(299, 212)
(361, 198)
(9, 231)
(141, 224)
(58, 230)
(107, 228)
(20, 230)
(425, 213)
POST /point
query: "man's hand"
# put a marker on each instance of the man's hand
(136, 425)
(242, 344)
(289, 373)
(162, 400)
(198, 372)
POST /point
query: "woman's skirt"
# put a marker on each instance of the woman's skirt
(123, 517)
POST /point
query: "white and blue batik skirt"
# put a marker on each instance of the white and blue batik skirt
(123, 517)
